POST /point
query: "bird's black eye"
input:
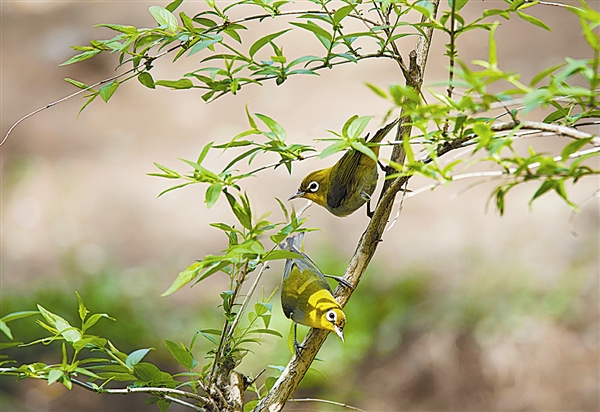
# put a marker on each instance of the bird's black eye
(331, 316)
(313, 186)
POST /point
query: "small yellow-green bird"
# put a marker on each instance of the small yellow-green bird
(347, 185)
(306, 296)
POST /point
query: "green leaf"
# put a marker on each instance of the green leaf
(341, 13)
(251, 121)
(239, 212)
(175, 84)
(273, 126)
(92, 320)
(18, 315)
(590, 35)
(146, 79)
(63, 327)
(183, 278)
(317, 30)
(136, 356)
(217, 266)
(250, 405)
(201, 45)
(91, 99)
(535, 98)
(81, 57)
(459, 4)
(164, 18)
(358, 126)
(558, 114)
(163, 405)
(188, 23)
(83, 312)
(262, 308)
(181, 354)
(173, 5)
(108, 90)
(119, 28)
(212, 194)
(544, 73)
(267, 331)
(573, 147)
(492, 54)
(5, 345)
(54, 375)
(6, 330)
(424, 7)
(378, 91)
(334, 148)
(147, 372)
(75, 83)
(269, 383)
(358, 146)
(281, 254)
(263, 41)
(204, 152)
(544, 187)
(535, 21)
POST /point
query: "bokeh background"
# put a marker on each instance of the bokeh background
(461, 309)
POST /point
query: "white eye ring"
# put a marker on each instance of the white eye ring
(313, 186)
(331, 316)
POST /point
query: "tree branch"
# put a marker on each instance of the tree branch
(547, 127)
(297, 367)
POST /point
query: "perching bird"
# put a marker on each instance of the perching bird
(306, 296)
(347, 185)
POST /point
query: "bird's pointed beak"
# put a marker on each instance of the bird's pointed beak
(296, 195)
(339, 332)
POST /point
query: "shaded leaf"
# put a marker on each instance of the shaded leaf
(146, 79)
(175, 84)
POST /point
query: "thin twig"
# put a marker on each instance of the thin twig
(596, 194)
(150, 59)
(245, 302)
(495, 173)
(452, 56)
(148, 390)
(550, 3)
(547, 127)
(343, 405)
(184, 403)
(297, 367)
(49, 105)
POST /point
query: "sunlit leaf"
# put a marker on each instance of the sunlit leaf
(164, 18)
(81, 57)
(260, 43)
(136, 356)
(175, 84)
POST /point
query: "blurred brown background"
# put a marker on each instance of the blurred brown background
(461, 309)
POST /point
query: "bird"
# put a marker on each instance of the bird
(306, 297)
(344, 187)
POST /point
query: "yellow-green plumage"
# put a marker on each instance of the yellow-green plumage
(306, 296)
(347, 185)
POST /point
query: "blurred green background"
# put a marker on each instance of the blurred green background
(461, 309)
